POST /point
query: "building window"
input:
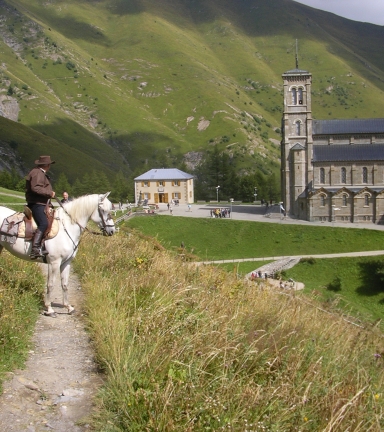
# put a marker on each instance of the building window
(176, 195)
(343, 175)
(298, 127)
(146, 184)
(160, 183)
(345, 200)
(322, 200)
(176, 183)
(297, 96)
(366, 200)
(322, 175)
(300, 96)
(365, 175)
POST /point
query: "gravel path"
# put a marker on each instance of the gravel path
(56, 389)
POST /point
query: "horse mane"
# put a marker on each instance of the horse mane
(81, 206)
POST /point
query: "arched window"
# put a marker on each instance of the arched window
(300, 98)
(345, 198)
(365, 175)
(343, 175)
(366, 200)
(298, 127)
(294, 96)
(322, 175)
(322, 200)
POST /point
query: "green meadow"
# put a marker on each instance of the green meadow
(217, 239)
(353, 285)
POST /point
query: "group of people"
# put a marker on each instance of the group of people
(220, 212)
(258, 274)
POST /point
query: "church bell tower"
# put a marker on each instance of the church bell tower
(297, 143)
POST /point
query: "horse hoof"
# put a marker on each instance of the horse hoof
(50, 314)
(71, 312)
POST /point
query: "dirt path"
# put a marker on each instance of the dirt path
(56, 389)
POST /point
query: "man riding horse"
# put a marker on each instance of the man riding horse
(38, 192)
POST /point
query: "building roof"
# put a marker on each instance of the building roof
(164, 174)
(349, 126)
(296, 72)
(348, 152)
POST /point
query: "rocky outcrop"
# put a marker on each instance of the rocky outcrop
(9, 107)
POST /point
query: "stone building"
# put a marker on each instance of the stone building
(331, 170)
(164, 185)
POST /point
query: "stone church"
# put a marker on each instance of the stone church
(331, 170)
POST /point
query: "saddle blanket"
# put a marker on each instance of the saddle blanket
(14, 226)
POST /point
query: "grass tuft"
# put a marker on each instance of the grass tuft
(21, 287)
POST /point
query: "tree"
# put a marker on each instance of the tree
(62, 185)
(121, 189)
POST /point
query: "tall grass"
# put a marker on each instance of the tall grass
(21, 286)
(195, 349)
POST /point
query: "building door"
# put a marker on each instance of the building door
(156, 198)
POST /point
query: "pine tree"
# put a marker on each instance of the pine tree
(62, 185)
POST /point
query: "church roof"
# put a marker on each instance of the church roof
(165, 174)
(348, 152)
(349, 126)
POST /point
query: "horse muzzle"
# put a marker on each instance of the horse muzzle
(109, 230)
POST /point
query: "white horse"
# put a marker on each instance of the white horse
(73, 218)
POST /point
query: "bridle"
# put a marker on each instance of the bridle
(105, 225)
(103, 229)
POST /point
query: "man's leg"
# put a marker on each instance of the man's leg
(42, 225)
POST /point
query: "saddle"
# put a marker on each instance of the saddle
(22, 225)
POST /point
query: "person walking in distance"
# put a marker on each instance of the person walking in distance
(38, 192)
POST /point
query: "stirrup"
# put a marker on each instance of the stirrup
(36, 254)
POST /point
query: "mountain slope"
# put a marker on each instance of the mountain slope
(139, 83)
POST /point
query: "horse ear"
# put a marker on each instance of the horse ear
(104, 196)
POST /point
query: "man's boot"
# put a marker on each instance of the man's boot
(36, 245)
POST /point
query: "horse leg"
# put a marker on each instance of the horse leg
(1, 248)
(65, 270)
(53, 269)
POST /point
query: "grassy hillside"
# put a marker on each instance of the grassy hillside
(195, 349)
(349, 283)
(28, 144)
(139, 83)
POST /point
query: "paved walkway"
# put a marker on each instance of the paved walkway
(275, 258)
(254, 213)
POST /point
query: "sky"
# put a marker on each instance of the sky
(359, 10)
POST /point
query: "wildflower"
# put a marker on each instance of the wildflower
(305, 419)
(377, 355)
(377, 396)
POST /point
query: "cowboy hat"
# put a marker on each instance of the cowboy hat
(44, 160)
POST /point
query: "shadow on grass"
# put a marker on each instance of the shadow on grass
(335, 285)
(372, 278)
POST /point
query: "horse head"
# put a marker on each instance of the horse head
(102, 215)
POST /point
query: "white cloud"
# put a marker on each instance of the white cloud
(366, 11)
